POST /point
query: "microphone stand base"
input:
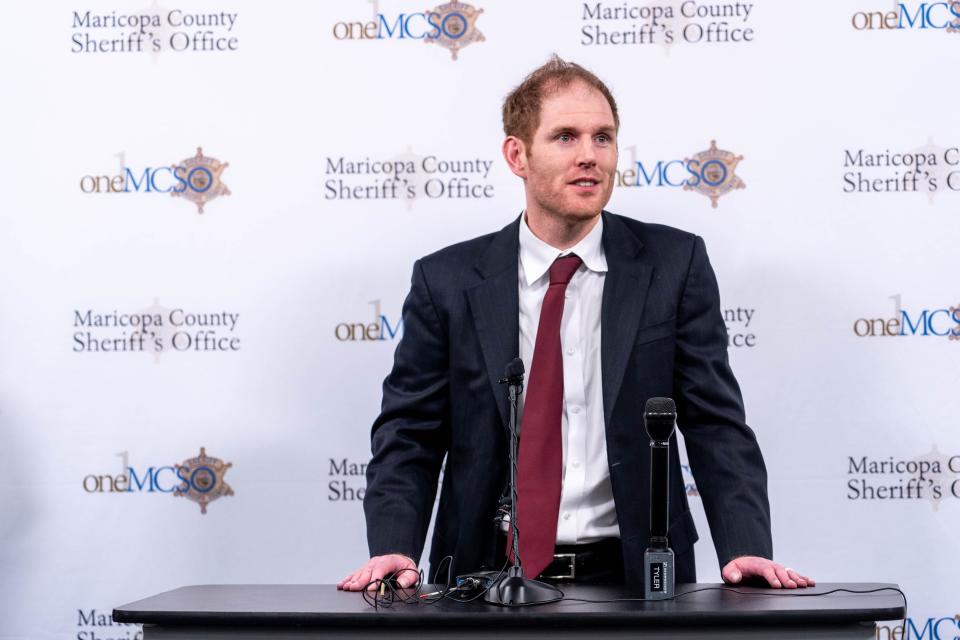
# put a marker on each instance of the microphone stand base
(513, 590)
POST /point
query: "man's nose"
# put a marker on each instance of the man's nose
(586, 154)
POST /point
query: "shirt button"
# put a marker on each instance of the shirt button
(571, 351)
(576, 465)
(574, 409)
(566, 516)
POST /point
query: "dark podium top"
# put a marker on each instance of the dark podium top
(323, 606)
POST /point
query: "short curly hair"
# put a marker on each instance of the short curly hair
(521, 108)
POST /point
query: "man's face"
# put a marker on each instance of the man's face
(572, 157)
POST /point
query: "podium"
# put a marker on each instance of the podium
(288, 612)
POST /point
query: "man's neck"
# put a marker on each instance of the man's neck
(560, 234)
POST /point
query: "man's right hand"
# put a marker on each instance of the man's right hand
(379, 567)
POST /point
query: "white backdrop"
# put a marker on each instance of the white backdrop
(275, 312)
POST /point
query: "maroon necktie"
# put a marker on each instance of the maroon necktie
(539, 469)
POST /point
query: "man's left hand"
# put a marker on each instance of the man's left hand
(776, 575)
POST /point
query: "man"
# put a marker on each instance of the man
(605, 312)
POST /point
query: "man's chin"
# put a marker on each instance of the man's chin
(583, 215)
(587, 208)
(573, 213)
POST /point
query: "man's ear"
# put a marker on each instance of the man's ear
(515, 153)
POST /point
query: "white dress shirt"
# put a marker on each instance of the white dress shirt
(587, 511)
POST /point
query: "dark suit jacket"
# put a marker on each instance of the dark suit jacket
(662, 334)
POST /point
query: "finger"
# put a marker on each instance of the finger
(731, 573)
(796, 577)
(381, 568)
(361, 579)
(408, 578)
(350, 586)
(402, 567)
(350, 577)
(810, 581)
(784, 577)
(771, 576)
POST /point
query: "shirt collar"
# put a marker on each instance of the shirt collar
(536, 256)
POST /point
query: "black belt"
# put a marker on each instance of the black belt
(576, 562)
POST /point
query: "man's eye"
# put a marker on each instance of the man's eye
(565, 137)
(602, 138)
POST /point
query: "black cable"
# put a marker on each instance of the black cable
(426, 598)
(791, 593)
(436, 574)
(796, 593)
(387, 591)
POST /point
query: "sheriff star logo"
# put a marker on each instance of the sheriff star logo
(203, 479)
(717, 169)
(457, 24)
(202, 176)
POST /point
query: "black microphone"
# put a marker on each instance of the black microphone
(513, 373)
(660, 418)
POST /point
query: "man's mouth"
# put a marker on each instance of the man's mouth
(585, 182)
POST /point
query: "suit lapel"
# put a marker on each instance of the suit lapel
(495, 306)
(624, 293)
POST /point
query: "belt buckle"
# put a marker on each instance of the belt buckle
(569, 575)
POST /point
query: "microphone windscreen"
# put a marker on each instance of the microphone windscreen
(660, 405)
(514, 368)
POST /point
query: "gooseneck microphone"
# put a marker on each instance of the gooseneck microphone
(660, 418)
(513, 588)
(513, 378)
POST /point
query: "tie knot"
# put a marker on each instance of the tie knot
(563, 268)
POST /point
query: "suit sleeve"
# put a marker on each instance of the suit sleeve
(724, 455)
(411, 435)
